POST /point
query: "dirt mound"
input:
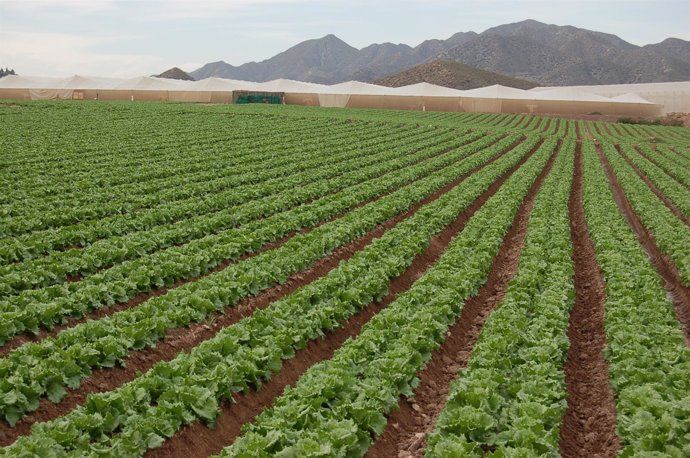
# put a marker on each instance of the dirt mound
(676, 118)
(175, 74)
(452, 74)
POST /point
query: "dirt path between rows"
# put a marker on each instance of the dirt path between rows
(665, 267)
(184, 339)
(589, 423)
(197, 439)
(407, 427)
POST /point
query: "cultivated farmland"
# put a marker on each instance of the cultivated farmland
(196, 280)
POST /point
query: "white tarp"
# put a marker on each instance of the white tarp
(358, 88)
(428, 90)
(630, 98)
(30, 82)
(150, 83)
(674, 96)
(567, 93)
(285, 85)
(219, 84)
(496, 98)
(498, 92)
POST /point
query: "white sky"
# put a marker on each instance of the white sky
(131, 38)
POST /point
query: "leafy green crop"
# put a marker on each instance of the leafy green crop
(512, 395)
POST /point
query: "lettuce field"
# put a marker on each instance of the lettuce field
(249, 281)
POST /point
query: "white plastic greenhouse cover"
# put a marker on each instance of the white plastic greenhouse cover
(89, 82)
(219, 84)
(427, 89)
(645, 99)
(29, 82)
(150, 83)
(567, 93)
(498, 92)
(359, 88)
(674, 96)
(286, 85)
(630, 98)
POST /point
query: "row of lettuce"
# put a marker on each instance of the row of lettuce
(562, 127)
(670, 233)
(512, 396)
(218, 193)
(116, 239)
(116, 167)
(34, 309)
(214, 166)
(338, 406)
(140, 414)
(44, 368)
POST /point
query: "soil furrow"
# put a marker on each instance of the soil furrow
(589, 423)
(184, 339)
(670, 205)
(142, 297)
(197, 439)
(664, 265)
(407, 428)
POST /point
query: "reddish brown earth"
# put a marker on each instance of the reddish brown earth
(184, 339)
(197, 439)
(670, 205)
(143, 297)
(407, 427)
(675, 118)
(664, 265)
(589, 424)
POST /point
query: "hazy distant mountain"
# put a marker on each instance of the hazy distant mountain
(558, 55)
(6, 72)
(175, 74)
(331, 60)
(547, 54)
(452, 74)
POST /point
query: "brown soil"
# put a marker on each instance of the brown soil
(406, 430)
(589, 424)
(184, 339)
(197, 439)
(665, 267)
(674, 118)
(670, 205)
(142, 297)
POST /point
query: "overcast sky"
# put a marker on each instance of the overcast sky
(131, 38)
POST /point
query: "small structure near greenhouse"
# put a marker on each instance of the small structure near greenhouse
(270, 98)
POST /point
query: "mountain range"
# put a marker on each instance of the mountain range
(544, 53)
